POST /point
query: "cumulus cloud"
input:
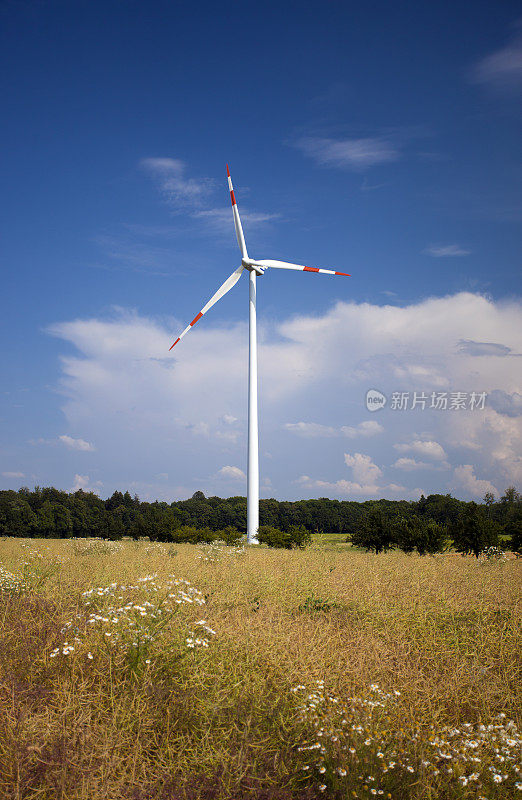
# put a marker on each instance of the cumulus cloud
(363, 468)
(495, 442)
(427, 449)
(446, 250)
(354, 154)
(76, 444)
(353, 490)
(465, 476)
(365, 473)
(148, 413)
(232, 473)
(83, 482)
(368, 428)
(410, 464)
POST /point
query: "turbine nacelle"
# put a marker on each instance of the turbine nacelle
(250, 264)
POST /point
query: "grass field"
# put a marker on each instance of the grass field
(140, 671)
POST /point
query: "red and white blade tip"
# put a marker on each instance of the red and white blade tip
(228, 171)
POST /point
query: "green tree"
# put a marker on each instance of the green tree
(432, 537)
(16, 516)
(80, 517)
(115, 501)
(423, 535)
(510, 496)
(473, 531)
(375, 531)
(63, 524)
(406, 532)
(514, 530)
(45, 518)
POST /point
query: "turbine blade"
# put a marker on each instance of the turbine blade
(237, 219)
(226, 287)
(286, 265)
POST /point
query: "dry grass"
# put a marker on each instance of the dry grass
(221, 721)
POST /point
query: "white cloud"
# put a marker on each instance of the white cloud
(175, 186)
(229, 419)
(428, 449)
(368, 428)
(341, 487)
(310, 429)
(446, 251)
(228, 436)
(68, 441)
(467, 479)
(316, 430)
(497, 435)
(82, 482)
(191, 196)
(363, 468)
(503, 68)
(355, 154)
(410, 464)
(221, 218)
(76, 444)
(152, 412)
(351, 489)
(13, 474)
(232, 473)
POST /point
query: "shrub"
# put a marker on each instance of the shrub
(295, 536)
(192, 535)
(230, 535)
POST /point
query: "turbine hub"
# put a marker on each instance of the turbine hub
(250, 264)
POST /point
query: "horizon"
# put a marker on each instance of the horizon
(243, 497)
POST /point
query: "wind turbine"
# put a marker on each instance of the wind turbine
(254, 268)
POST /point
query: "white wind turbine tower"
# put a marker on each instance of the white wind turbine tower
(254, 268)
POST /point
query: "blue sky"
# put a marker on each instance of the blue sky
(379, 140)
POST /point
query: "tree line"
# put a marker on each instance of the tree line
(427, 525)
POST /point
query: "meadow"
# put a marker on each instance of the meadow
(143, 671)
